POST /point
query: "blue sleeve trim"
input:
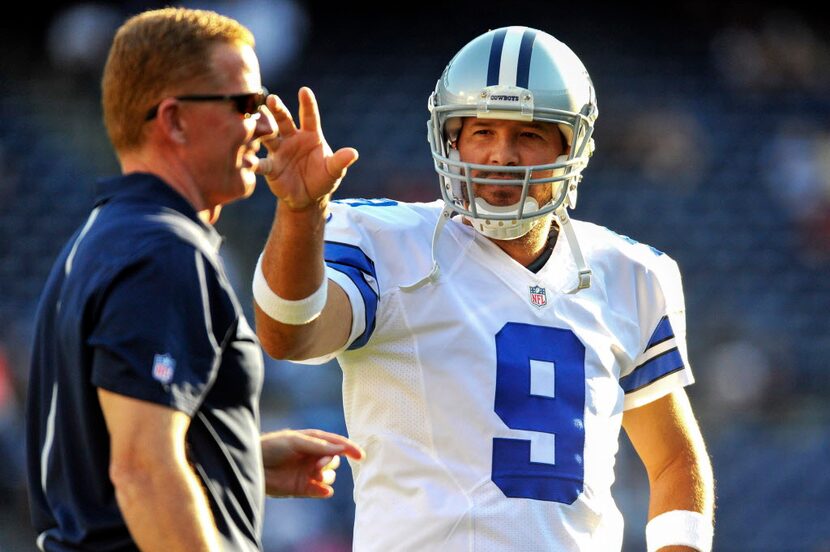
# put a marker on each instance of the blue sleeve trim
(349, 255)
(370, 301)
(354, 263)
(652, 370)
(361, 202)
(663, 332)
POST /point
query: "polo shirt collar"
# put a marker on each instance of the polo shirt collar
(149, 188)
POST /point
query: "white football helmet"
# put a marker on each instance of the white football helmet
(513, 73)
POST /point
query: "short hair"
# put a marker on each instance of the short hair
(157, 54)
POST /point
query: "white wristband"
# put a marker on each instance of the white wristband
(282, 310)
(679, 528)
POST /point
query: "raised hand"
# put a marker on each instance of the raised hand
(300, 168)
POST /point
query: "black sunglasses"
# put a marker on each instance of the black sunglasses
(247, 104)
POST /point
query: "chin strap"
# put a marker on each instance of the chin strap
(562, 218)
(445, 215)
(583, 272)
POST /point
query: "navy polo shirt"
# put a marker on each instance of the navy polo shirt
(138, 303)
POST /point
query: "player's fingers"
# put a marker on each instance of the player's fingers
(264, 166)
(283, 118)
(342, 159)
(309, 111)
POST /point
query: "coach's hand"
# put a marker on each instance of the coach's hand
(300, 167)
(302, 462)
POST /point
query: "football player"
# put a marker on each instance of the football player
(491, 347)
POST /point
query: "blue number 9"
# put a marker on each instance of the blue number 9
(540, 388)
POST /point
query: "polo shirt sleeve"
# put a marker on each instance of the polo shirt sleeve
(162, 322)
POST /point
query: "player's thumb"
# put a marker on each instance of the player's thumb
(341, 160)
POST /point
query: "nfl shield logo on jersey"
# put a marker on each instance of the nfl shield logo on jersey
(538, 297)
(163, 368)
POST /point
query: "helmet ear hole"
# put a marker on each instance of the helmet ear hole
(454, 156)
(567, 134)
(452, 128)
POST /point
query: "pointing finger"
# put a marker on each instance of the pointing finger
(309, 111)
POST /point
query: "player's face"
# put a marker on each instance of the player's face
(226, 142)
(509, 143)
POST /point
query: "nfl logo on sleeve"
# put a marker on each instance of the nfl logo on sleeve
(538, 296)
(163, 368)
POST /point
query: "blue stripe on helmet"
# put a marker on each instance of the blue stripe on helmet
(495, 57)
(525, 51)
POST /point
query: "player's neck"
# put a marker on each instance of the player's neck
(530, 247)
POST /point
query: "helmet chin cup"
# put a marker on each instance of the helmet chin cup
(463, 192)
(504, 229)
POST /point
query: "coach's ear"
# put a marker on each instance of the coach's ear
(170, 121)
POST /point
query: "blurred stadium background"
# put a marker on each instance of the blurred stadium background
(713, 145)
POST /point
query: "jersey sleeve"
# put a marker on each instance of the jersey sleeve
(349, 253)
(662, 364)
(161, 323)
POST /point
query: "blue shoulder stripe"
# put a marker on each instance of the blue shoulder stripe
(349, 255)
(354, 263)
(652, 370)
(663, 332)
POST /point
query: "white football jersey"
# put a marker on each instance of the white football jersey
(490, 401)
